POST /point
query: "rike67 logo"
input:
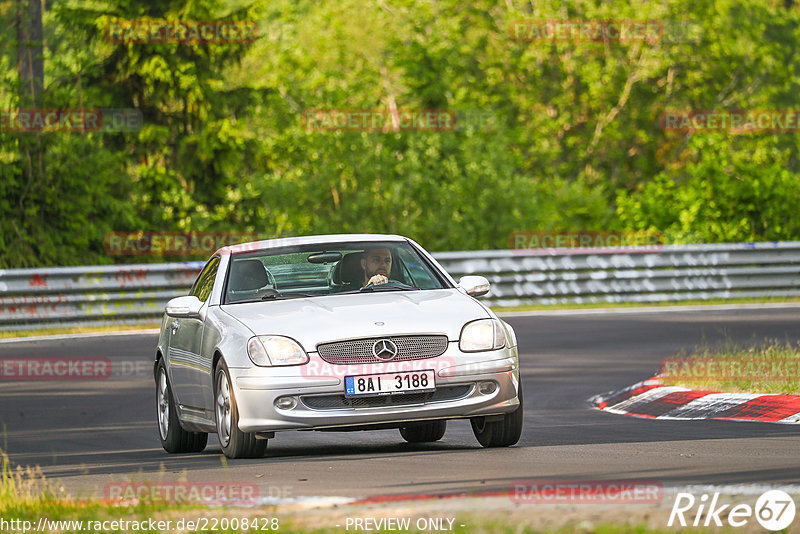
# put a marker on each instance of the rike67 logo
(774, 510)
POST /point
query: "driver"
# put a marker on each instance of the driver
(376, 264)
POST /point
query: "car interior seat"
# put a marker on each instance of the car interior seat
(250, 279)
(348, 272)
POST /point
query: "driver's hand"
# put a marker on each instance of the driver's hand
(377, 280)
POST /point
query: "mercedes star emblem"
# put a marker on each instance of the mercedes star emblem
(384, 350)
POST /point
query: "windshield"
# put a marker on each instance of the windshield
(327, 269)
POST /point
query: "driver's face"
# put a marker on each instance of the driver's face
(377, 261)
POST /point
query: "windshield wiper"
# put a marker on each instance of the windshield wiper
(279, 296)
(389, 286)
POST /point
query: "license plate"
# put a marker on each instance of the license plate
(389, 383)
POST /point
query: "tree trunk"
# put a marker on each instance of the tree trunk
(30, 51)
(30, 70)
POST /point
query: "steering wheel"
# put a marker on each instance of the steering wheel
(391, 283)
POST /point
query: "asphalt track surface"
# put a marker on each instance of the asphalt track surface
(85, 434)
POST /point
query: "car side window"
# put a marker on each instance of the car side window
(205, 281)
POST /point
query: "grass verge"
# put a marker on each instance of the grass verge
(29, 504)
(766, 367)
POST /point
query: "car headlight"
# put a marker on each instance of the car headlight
(484, 334)
(267, 351)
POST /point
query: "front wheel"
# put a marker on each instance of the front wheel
(235, 443)
(503, 433)
(174, 439)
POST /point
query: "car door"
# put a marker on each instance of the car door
(189, 367)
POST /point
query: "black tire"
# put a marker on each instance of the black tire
(174, 438)
(503, 433)
(235, 443)
(424, 432)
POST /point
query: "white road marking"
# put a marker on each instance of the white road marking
(653, 309)
(56, 337)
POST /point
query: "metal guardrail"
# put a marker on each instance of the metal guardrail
(673, 273)
(129, 294)
(79, 296)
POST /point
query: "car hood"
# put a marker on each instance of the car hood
(316, 320)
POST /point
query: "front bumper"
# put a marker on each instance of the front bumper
(318, 389)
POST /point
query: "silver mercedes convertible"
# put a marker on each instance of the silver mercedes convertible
(341, 332)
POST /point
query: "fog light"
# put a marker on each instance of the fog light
(487, 388)
(285, 403)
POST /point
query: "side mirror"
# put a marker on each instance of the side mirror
(475, 286)
(184, 307)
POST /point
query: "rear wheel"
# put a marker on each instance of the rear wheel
(174, 439)
(502, 433)
(235, 443)
(424, 432)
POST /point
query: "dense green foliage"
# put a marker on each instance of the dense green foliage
(574, 140)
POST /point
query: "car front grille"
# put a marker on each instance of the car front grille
(340, 402)
(360, 350)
